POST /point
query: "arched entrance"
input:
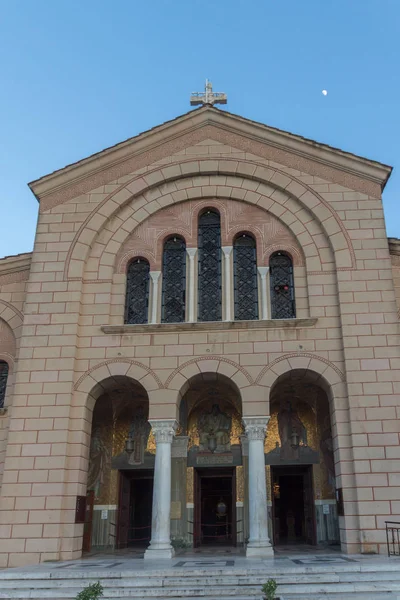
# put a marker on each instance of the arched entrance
(211, 419)
(300, 462)
(121, 466)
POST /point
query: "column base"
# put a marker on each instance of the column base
(159, 553)
(266, 551)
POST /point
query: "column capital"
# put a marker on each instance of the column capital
(255, 427)
(227, 250)
(164, 430)
(155, 275)
(263, 271)
(191, 252)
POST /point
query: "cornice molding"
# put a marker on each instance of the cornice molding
(208, 326)
(112, 160)
(14, 264)
(394, 246)
(14, 269)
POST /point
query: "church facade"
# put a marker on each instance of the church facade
(202, 349)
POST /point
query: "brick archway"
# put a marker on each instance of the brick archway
(291, 192)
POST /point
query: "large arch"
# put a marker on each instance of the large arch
(92, 379)
(12, 316)
(263, 182)
(181, 219)
(179, 378)
(310, 235)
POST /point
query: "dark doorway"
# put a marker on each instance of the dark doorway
(215, 507)
(135, 508)
(292, 503)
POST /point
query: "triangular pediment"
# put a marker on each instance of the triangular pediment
(197, 128)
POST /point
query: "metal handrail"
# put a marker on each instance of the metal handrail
(393, 538)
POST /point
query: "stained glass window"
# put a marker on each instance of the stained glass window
(3, 381)
(137, 292)
(173, 281)
(245, 278)
(209, 287)
(282, 286)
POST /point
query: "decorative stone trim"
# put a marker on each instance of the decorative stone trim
(296, 355)
(125, 361)
(179, 447)
(140, 183)
(208, 326)
(164, 431)
(255, 427)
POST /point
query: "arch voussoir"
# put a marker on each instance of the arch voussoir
(249, 170)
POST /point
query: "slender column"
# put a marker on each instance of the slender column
(263, 271)
(259, 544)
(155, 277)
(160, 544)
(191, 252)
(227, 250)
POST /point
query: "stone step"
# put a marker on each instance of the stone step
(188, 591)
(177, 582)
(349, 581)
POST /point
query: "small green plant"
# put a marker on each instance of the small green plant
(269, 589)
(91, 592)
(180, 542)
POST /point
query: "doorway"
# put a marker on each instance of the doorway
(135, 508)
(292, 505)
(215, 507)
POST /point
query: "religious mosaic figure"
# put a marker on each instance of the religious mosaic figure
(289, 423)
(99, 457)
(214, 431)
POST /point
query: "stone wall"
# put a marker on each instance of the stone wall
(14, 273)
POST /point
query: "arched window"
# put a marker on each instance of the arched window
(173, 281)
(137, 292)
(3, 381)
(282, 286)
(209, 288)
(245, 277)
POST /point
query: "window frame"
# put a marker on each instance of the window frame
(130, 288)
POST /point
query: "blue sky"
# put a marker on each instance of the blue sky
(77, 76)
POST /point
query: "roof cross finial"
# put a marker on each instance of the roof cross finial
(208, 97)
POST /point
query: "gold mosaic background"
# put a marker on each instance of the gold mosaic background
(112, 418)
(312, 407)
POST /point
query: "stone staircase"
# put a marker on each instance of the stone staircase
(351, 581)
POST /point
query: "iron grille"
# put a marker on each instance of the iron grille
(209, 286)
(137, 292)
(245, 278)
(282, 287)
(174, 281)
(3, 381)
(393, 538)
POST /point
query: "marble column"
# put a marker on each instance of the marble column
(191, 252)
(227, 250)
(160, 544)
(259, 544)
(155, 276)
(263, 272)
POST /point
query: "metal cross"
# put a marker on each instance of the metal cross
(208, 97)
